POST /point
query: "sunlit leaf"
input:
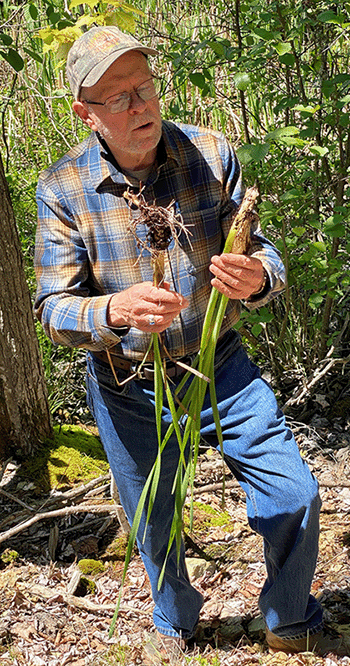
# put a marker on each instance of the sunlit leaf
(282, 132)
(334, 227)
(282, 48)
(89, 3)
(315, 300)
(321, 151)
(306, 108)
(320, 246)
(298, 231)
(252, 152)
(241, 80)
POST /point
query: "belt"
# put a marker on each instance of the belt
(145, 370)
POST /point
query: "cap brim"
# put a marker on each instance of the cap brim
(100, 69)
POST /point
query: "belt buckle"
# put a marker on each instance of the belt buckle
(143, 371)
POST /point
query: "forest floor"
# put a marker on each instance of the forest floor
(53, 615)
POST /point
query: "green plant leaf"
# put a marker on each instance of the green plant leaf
(6, 39)
(307, 108)
(282, 48)
(33, 54)
(331, 17)
(315, 300)
(333, 227)
(256, 330)
(198, 79)
(298, 231)
(218, 47)
(320, 151)
(320, 246)
(33, 12)
(241, 80)
(14, 59)
(281, 132)
(264, 34)
(252, 152)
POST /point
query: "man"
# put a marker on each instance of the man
(95, 291)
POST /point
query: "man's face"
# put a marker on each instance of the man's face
(134, 134)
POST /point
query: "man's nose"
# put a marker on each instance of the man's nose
(137, 105)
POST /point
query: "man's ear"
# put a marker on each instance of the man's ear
(80, 109)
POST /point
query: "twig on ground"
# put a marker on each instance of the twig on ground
(312, 380)
(15, 499)
(83, 603)
(87, 508)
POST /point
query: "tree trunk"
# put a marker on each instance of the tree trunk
(24, 410)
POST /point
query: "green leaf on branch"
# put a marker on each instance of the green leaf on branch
(319, 151)
(281, 133)
(76, 3)
(33, 12)
(14, 59)
(333, 226)
(252, 152)
(299, 231)
(282, 48)
(264, 34)
(315, 300)
(256, 330)
(320, 246)
(33, 54)
(198, 79)
(241, 80)
(331, 17)
(6, 39)
(307, 108)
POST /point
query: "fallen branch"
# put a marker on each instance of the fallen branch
(56, 500)
(84, 604)
(213, 487)
(66, 511)
(17, 500)
(311, 381)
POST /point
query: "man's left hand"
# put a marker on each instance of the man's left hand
(236, 275)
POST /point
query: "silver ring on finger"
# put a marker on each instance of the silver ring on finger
(151, 320)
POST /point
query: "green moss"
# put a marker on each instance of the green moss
(117, 549)
(9, 556)
(72, 456)
(88, 585)
(205, 516)
(92, 567)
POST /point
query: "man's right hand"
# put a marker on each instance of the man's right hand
(143, 302)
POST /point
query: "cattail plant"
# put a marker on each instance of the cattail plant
(163, 225)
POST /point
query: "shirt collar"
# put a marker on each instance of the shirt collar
(107, 166)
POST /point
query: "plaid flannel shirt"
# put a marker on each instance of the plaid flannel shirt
(85, 252)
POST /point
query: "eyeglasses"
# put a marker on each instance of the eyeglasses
(119, 103)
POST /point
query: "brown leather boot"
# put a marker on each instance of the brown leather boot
(322, 643)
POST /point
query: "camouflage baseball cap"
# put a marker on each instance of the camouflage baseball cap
(95, 51)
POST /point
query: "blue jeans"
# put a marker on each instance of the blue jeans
(281, 493)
